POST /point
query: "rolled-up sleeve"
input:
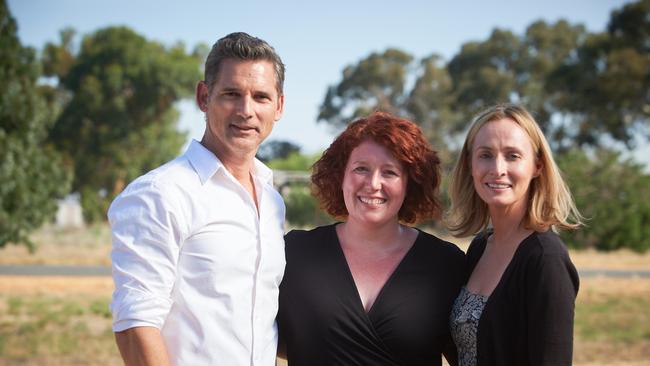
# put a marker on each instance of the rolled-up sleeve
(146, 236)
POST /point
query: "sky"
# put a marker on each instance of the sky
(315, 40)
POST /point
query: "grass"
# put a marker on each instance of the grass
(612, 323)
(621, 320)
(65, 321)
(55, 330)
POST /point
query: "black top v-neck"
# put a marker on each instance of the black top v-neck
(322, 320)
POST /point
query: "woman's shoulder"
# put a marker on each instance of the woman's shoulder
(477, 245)
(546, 243)
(545, 252)
(439, 246)
(547, 261)
(299, 237)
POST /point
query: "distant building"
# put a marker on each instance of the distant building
(69, 213)
(283, 178)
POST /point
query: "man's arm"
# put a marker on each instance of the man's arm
(144, 256)
(142, 346)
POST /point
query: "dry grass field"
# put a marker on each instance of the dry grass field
(65, 320)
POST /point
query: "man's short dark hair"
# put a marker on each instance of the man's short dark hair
(242, 46)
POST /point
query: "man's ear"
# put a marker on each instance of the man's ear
(202, 94)
(280, 108)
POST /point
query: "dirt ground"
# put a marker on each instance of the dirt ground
(92, 246)
(55, 285)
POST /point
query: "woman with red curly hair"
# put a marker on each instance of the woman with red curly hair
(371, 290)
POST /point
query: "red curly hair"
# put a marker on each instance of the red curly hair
(406, 143)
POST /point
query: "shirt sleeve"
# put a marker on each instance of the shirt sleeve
(552, 288)
(146, 239)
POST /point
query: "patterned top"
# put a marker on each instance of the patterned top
(464, 319)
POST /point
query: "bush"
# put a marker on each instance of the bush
(614, 195)
(302, 208)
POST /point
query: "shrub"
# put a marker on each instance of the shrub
(614, 195)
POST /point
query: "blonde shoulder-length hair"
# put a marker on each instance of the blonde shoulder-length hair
(550, 204)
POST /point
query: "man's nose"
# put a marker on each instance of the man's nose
(245, 107)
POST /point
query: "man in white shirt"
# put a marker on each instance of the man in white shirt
(198, 250)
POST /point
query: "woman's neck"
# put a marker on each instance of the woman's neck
(507, 224)
(384, 237)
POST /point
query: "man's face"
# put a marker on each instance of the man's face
(241, 108)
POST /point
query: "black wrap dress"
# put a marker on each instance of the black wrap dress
(322, 320)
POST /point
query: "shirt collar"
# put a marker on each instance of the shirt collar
(206, 164)
(264, 173)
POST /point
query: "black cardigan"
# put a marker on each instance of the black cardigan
(528, 319)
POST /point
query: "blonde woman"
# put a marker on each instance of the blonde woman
(517, 305)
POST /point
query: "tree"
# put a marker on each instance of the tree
(485, 73)
(605, 90)
(580, 86)
(443, 98)
(512, 68)
(302, 207)
(31, 172)
(118, 119)
(613, 195)
(379, 83)
(276, 149)
(429, 104)
(375, 83)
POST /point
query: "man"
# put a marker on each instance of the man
(198, 251)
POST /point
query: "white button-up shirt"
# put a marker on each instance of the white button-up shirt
(192, 257)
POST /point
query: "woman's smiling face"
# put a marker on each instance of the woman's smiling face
(503, 164)
(374, 185)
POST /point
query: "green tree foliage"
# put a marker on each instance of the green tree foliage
(302, 208)
(118, 118)
(613, 195)
(580, 86)
(276, 149)
(511, 68)
(295, 161)
(605, 89)
(380, 82)
(31, 172)
(375, 83)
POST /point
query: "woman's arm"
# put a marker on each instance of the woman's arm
(552, 287)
